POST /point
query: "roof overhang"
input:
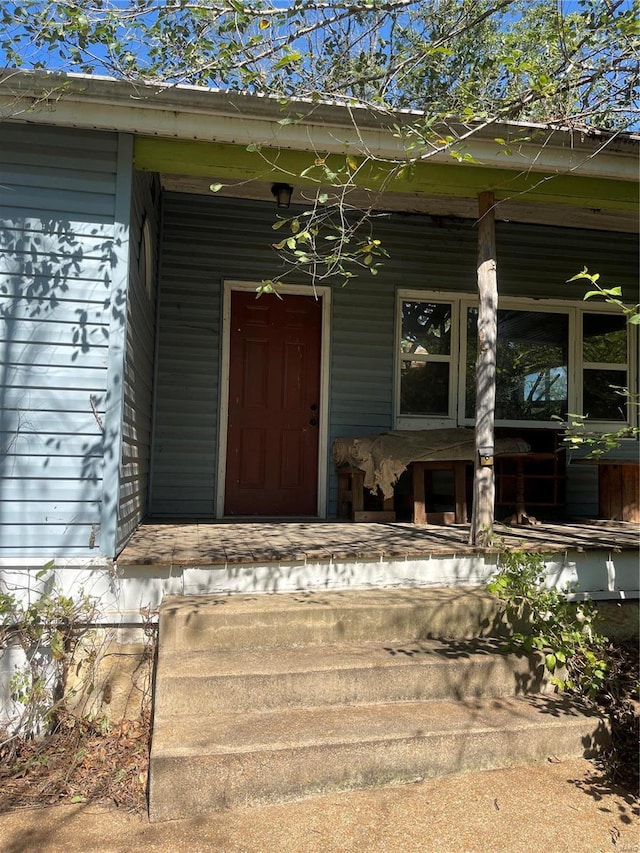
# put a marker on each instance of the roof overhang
(202, 136)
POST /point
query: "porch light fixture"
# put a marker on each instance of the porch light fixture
(282, 193)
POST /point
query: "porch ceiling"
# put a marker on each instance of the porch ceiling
(516, 209)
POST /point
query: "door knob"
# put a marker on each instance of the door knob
(314, 422)
(314, 407)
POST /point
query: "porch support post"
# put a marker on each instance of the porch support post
(484, 481)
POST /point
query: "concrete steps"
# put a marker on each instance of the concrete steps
(271, 698)
(245, 679)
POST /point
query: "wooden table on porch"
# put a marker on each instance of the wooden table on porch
(351, 485)
(420, 471)
(351, 500)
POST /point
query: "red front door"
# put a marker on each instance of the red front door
(274, 398)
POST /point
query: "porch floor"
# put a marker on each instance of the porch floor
(207, 543)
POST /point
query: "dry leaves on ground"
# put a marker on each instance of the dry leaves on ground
(79, 763)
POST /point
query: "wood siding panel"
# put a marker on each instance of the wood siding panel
(56, 265)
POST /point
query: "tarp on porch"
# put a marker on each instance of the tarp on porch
(384, 457)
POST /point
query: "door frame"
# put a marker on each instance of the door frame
(324, 295)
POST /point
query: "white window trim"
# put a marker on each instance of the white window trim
(631, 368)
(403, 421)
(457, 378)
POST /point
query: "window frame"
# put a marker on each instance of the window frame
(519, 304)
(630, 368)
(460, 303)
(405, 421)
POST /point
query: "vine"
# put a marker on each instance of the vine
(47, 630)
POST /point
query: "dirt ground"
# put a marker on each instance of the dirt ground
(555, 807)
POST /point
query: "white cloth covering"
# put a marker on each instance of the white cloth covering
(384, 457)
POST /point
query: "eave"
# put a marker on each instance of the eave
(202, 135)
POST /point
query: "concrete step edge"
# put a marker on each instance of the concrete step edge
(315, 618)
(300, 678)
(274, 730)
(197, 663)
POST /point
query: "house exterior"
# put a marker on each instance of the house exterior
(132, 345)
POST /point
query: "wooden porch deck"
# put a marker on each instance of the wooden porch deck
(213, 543)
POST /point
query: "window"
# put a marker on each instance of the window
(532, 365)
(427, 341)
(553, 358)
(604, 366)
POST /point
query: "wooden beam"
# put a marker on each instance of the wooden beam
(224, 161)
(484, 480)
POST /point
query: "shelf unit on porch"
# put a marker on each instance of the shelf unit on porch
(536, 479)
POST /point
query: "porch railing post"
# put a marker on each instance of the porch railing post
(484, 481)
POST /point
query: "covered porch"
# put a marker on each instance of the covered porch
(599, 557)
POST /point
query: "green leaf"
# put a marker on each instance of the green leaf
(57, 646)
(550, 661)
(288, 59)
(268, 286)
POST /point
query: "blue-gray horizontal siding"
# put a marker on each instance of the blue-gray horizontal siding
(138, 374)
(537, 260)
(57, 207)
(582, 490)
(196, 249)
(206, 240)
(424, 254)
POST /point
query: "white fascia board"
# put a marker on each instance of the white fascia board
(192, 113)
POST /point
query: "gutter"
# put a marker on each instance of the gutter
(194, 113)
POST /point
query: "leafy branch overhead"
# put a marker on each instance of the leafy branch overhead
(611, 295)
(545, 60)
(328, 240)
(432, 73)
